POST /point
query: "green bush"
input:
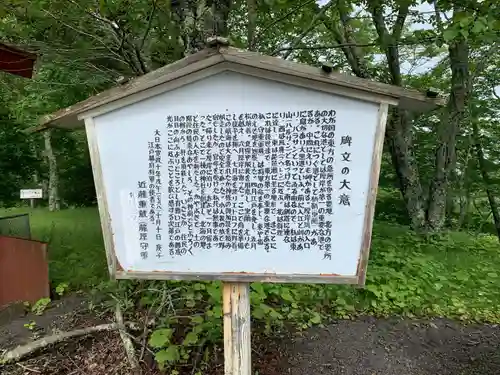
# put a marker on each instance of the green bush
(453, 274)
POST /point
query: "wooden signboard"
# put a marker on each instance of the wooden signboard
(234, 166)
(256, 182)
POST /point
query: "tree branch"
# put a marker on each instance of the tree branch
(400, 21)
(308, 29)
(127, 343)
(82, 32)
(142, 64)
(495, 93)
(21, 352)
(403, 42)
(377, 12)
(388, 41)
(148, 28)
(352, 53)
(292, 11)
(94, 15)
(437, 13)
(252, 23)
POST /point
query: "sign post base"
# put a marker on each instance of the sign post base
(237, 346)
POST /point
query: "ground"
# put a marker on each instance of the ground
(453, 275)
(364, 346)
(395, 347)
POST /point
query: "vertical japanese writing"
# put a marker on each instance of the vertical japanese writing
(344, 197)
(151, 182)
(248, 181)
(143, 222)
(182, 167)
(150, 205)
(156, 198)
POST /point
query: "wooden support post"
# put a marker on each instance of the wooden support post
(237, 349)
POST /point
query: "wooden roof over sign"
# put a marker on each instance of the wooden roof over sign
(16, 61)
(218, 58)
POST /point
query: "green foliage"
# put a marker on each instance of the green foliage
(75, 239)
(62, 288)
(449, 276)
(40, 306)
(452, 275)
(85, 47)
(160, 338)
(168, 356)
(30, 325)
(14, 152)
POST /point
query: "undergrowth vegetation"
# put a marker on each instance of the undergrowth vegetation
(454, 275)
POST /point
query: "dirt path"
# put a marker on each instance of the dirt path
(61, 315)
(363, 347)
(395, 347)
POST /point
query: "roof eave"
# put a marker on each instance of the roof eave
(71, 117)
(410, 99)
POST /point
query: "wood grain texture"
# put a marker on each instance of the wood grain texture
(238, 277)
(409, 99)
(237, 330)
(67, 117)
(372, 193)
(414, 99)
(172, 84)
(101, 197)
(308, 83)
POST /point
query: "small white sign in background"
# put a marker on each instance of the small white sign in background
(31, 193)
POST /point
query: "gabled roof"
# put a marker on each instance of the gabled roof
(217, 59)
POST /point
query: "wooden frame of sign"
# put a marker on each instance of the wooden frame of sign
(252, 78)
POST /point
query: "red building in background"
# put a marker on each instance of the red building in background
(24, 274)
(16, 61)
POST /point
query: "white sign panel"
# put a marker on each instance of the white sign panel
(236, 174)
(31, 193)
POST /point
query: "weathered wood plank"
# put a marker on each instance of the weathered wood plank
(372, 193)
(237, 345)
(67, 117)
(309, 83)
(409, 99)
(101, 197)
(414, 100)
(238, 277)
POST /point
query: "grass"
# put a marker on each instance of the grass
(453, 275)
(76, 250)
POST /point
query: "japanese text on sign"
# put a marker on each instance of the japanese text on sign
(243, 182)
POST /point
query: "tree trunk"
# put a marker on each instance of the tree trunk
(36, 176)
(486, 177)
(449, 209)
(464, 208)
(252, 24)
(54, 201)
(399, 140)
(399, 133)
(216, 18)
(464, 187)
(400, 126)
(448, 129)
